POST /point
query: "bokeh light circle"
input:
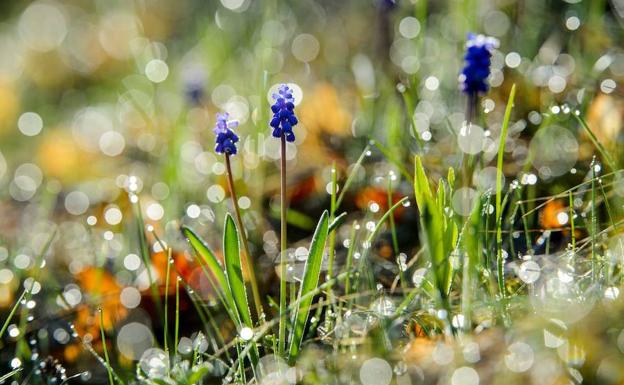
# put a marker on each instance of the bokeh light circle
(554, 151)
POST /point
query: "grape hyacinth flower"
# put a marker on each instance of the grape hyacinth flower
(225, 142)
(194, 81)
(282, 122)
(478, 56)
(284, 118)
(473, 81)
(387, 4)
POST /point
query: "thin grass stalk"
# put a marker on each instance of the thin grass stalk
(204, 314)
(393, 159)
(594, 224)
(241, 365)
(103, 336)
(22, 347)
(395, 241)
(12, 313)
(10, 374)
(351, 176)
(243, 233)
(332, 211)
(177, 315)
(332, 233)
(144, 251)
(87, 346)
(572, 229)
(264, 329)
(525, 224)
(349, 263)
(383, 218)
(601, 148)
(166, 315)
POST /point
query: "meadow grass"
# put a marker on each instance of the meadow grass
(445, 238)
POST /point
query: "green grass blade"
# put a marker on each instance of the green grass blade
(234, 270)
(351, 177)
(235, 280)
(337, 221)
(603, 151)
(393, 159)
(383, 219)
(10, 374)
(499, 191)
(310, 281)
(109, 368)
(422, 189)
(166, 313)
(145, 256)
(214, 266)
(12, 313)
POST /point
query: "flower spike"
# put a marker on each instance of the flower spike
(225, 142)
(284, 118)
(473, 77)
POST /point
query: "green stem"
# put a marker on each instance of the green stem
(12, 313)
(350, 252)
(166, 315)
(332, 215)
(283, 242)
(351, 176)
(145, 255)
(177, 315)
(601, 148)
(572, 228)
(594, 224)
(246, 254)
(108, 366)
(395, 240)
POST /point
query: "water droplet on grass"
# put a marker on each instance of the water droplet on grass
(529, 271)
(375, 371)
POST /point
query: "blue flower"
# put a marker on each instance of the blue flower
(194, 93)
(284, 118)
(478, 56)
(194, 80)
(226, 138)
(388, 4)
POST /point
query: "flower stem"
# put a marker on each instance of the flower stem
(471, 108)
(471, 115)
(246, 254)
(283, 244)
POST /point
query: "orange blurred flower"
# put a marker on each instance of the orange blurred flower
(549, 216)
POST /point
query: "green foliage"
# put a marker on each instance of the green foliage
(234, 271)
(213, 270)
(499, 192)
(309, 283)
(438, 229)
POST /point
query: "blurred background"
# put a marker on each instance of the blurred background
(99, 99)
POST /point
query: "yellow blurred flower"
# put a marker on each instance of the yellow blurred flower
(323, 115)
(605, 117)
(322, 111)
(61, 158)
(47, 69)
(6, 296)
(9, 106)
